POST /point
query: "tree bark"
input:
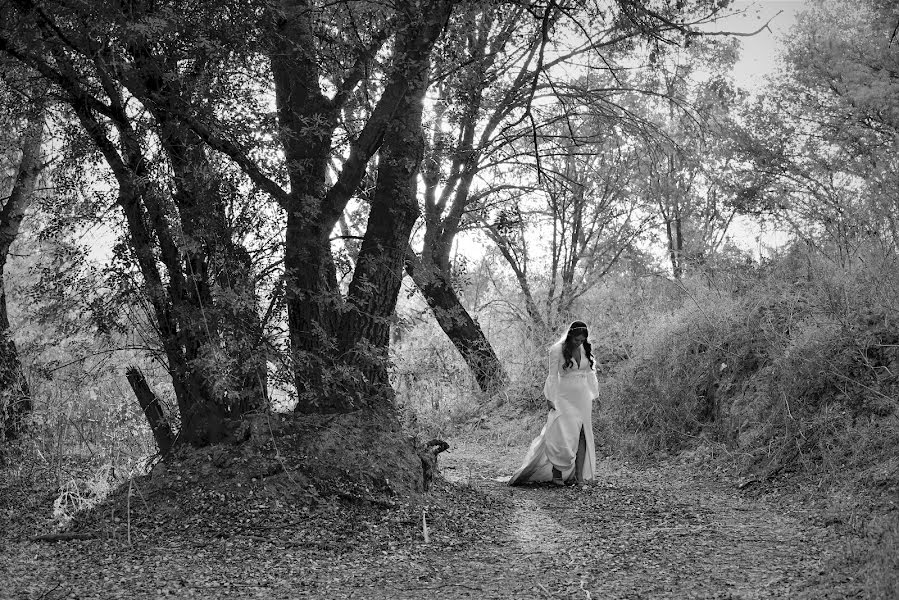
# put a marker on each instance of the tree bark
(317, 320)
(675, 246)
(149, 403)
(244, 332)
(181, 333)
(373, 291)
(218, 273)
(464, 332)
(211, 274)
(307, 122)
(15, 397)
(212, 332)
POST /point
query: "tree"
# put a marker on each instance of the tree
(472, 60)
(177, 99)
(171, 199)
(496, 61)
(823, 143)
(585, 202)
(686, 166)
(27, 163)
(622, 151)
(104, 59)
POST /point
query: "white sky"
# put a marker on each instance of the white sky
(760, 56)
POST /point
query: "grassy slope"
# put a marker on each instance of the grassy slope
(789, 372)
(784, 378)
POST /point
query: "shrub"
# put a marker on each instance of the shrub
(789, 368)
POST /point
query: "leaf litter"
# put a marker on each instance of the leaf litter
(638, 532)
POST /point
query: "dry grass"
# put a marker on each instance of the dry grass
(438, 395)
(786, 372)
(87, 435)
(792, 365)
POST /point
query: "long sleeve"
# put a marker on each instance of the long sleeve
(551, 387)
(593, 384)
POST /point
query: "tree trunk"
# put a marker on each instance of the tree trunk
(244, 333)
(464, 137)
(178, 304)
(372, 295)
(530, 304)
(459, 326)
(675, 246)
(221, 293)
(207, 310)
(679, 248)
(312, 296)
(149, 403)
(317, 313)
(211, 275)
(15, 397)
(181, 333)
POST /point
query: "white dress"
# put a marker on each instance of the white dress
(572, 391)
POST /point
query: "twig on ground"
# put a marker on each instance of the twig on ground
(50, 591)
(141, 494)
(437, 587)
(66, 537)
(112, 517)
(583, 589)
(128, 511)
(283, 543)
(268, 420)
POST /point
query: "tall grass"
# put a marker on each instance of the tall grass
(86, 433)
(788, 365)
(794, 365)
(436, 393)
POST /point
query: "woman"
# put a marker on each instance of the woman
(564, 450)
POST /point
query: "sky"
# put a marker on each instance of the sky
(760, 52)
(760, 58)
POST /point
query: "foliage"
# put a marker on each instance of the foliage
(587, 170)
(795, 368)
(822, 142)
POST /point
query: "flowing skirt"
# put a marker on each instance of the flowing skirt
(556, 446)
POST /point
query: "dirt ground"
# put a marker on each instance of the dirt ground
(654, 533)
(661, 532)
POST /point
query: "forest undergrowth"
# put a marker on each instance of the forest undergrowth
(777, 384)
(661, 531)
(790, 367)
(782, 378)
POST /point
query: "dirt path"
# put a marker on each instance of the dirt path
(642, 534)
(657, 533)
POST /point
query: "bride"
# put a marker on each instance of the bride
(564, 450)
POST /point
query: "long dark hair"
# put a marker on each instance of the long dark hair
(576, 328)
